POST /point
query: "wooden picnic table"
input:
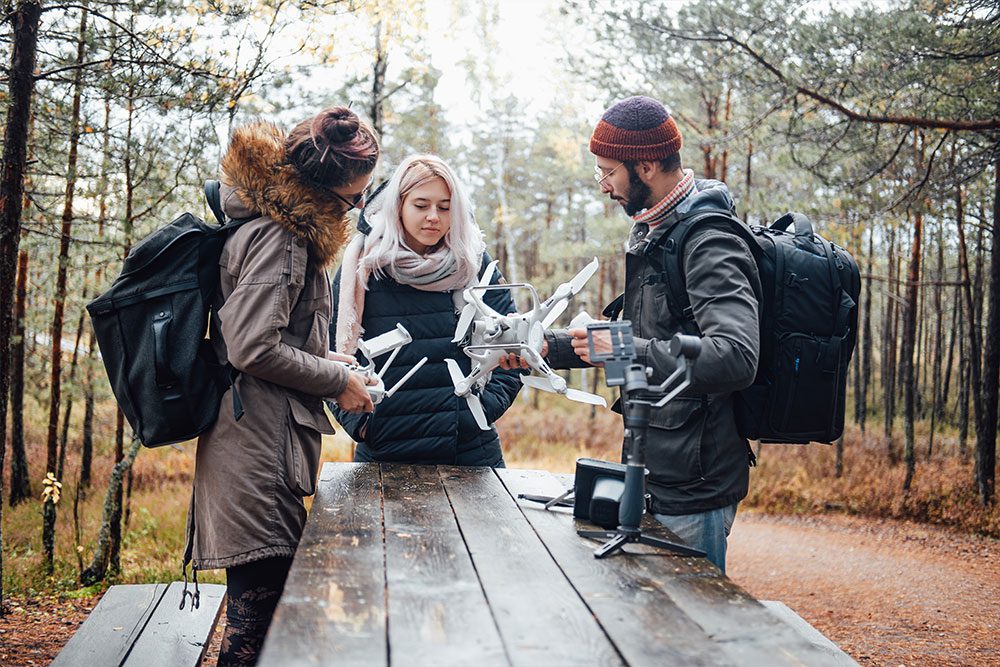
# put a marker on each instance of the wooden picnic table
(436, 565)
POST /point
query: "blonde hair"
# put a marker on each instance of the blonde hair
(385, 242)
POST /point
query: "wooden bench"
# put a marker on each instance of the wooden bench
(139, 625)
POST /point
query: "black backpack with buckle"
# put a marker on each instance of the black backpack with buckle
(152, 324)
(808, 324)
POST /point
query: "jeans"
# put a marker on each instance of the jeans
(706, 531)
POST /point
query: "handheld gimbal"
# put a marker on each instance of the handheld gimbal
(638, 399)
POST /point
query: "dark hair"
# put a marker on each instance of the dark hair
(667, 164)
(332, 148)
(671, 163)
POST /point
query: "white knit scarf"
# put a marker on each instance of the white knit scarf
(437, 271)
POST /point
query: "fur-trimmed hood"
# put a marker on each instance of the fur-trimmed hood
(255, 170)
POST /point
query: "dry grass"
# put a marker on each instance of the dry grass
(792, 479)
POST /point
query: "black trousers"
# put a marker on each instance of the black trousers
(252, 593)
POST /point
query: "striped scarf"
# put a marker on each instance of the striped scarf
(656, 214)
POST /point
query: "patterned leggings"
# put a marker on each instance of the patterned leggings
(252, 593)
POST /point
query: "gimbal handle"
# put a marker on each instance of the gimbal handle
(686, 349)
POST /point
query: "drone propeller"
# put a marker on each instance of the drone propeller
(464, 322)
(545, 384)
(569, 289)
(469, 309)
(475, 405)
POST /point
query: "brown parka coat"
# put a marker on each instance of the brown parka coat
(271, 323)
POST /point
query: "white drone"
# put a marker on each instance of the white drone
(392, 341)
(493, 336)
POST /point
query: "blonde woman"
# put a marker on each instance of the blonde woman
(422, 249)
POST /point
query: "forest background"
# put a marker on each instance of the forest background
(881, 122)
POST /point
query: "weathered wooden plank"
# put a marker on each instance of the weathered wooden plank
(742, 629)
(333, 607)
(642, 621)
(175, 636)
(541, 619)
(112, 627)
(811, 634)
(438, 614)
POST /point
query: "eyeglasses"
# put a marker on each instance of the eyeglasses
(356, 200)
(599, 174)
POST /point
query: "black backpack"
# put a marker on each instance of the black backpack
(808, 324)
(151, 328)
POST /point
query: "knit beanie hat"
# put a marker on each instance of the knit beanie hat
(637, 128)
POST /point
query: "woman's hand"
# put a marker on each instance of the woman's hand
(355, 397)
(344, 358)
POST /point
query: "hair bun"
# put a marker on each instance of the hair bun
(338, 124)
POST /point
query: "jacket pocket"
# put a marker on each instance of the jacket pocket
(674, 442)
(302, 446)
(318, 340)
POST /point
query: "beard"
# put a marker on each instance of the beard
(637, 197)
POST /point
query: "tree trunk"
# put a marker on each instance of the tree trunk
(378, 81)
(857, 361)
(103, 552)
(963, 390)
(87, 436)
(21, 85)
(909, 345)
(937, 408)
(52, 446)
(973, 367)
(73, 364)
(749, 182)
(87, 446)
(986, 426)
(889, 350)
(20, 483)
(953, 336)
(866, 325)
(116, 517)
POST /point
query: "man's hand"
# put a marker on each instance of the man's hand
(513, 361)
(355, 396)
(602, 344)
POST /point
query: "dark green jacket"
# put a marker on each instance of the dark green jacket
(697, 460)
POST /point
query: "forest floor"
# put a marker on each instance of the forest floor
(887, 592)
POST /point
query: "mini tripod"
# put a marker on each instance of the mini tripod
(638, 398)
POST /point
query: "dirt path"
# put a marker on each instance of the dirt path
(888, 593)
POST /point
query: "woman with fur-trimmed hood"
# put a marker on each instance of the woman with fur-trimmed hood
(271, 323)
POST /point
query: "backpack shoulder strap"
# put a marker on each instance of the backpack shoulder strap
(667, 254)
(613, 310)
(213, 197)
